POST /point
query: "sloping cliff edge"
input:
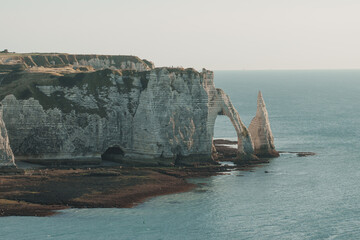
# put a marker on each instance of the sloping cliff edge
(63, 108)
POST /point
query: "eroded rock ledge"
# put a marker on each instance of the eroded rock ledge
(66, 109)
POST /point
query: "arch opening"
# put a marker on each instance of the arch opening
(225, 139)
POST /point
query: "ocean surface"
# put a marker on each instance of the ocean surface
(314, 197)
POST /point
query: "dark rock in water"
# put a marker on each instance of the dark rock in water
(11, 171)
(226, 152)
(305, 154)
(224, 141)
(200, 190)
(300, 154)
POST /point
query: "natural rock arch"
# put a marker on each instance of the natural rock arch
(220, 104)
(159, 117)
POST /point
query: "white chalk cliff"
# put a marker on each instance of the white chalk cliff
(129, 112)
(260, 131)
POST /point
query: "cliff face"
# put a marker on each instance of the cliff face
(159, 116)
(260, 131)
(6, 154)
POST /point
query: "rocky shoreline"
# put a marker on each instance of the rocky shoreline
(41, 191)
(153, 126)
(36, 190)
(81, 109)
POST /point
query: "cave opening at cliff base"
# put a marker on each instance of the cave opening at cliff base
(114, 153)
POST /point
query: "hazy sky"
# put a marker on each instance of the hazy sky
(225, 34)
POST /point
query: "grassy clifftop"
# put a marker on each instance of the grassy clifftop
(27, 75)
(62, 59)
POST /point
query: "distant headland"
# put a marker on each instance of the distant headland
(79, 109)
(96, 123)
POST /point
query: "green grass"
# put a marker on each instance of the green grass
(44, 59)
(182, 71)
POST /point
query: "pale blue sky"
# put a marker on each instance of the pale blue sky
(226, 34)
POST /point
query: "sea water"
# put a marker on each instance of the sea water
(314, 197)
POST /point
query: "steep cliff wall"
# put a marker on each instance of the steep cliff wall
(6, 154)
(155, 116)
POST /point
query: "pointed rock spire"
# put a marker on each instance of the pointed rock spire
(6, 154)
(260, 131)
(260, 102)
